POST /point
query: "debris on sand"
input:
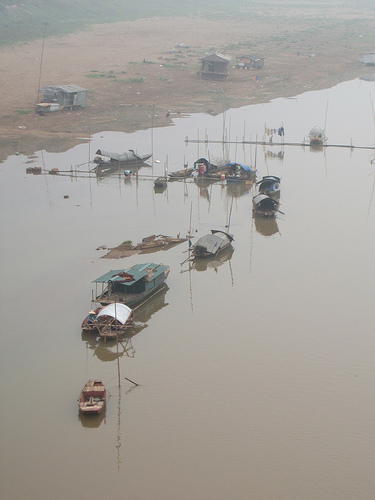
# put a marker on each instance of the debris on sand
(149, 244)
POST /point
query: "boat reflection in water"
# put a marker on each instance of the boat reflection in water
(238, 189)
(267, 226)
(92, 421)
(107, 350)
(213, 262)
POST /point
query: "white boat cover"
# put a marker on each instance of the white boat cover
(125, 157)
(121, 312)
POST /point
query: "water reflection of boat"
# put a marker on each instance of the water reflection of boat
(213, 262)
(238, 189)
(317, 137)
(91, 421)
(92, 398)
(267, 226)
(107, 161)
(211, 244)
(264, 206)
(131, 286)
(269, 185)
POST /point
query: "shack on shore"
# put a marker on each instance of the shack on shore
(61, 97)
(247, 62)
(215, 66)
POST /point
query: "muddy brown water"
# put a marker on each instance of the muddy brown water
(256, 371)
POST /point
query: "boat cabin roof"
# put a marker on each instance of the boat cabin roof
(244, 167)
(132, 274)
(263, 200)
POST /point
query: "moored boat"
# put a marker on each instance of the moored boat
(113, 320)
(317, 137)
(264, 205)
(269, 185)
(132, 285)
(92, 398)
(212, 244)
(161, 182)
(237, 172)
(107, 161)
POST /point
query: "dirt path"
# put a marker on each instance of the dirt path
(130, 71)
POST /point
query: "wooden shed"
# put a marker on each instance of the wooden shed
(215, 66)
(247, 62)
(62, 97)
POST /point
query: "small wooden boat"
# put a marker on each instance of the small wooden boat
(107, 161)
(89, 324)
(237, 172)
(113, 320)
(269, 185)
(211, 244)
(180, 174)
(161, 182)
(317, 137)
(93, 397)
(264, 205)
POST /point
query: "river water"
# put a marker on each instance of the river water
(256, 373)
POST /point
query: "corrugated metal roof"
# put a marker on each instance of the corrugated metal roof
(138, 271)
(121, 312)
(68, 89)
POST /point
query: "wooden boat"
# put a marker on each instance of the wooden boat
(212, 244)
(131, 286)
(107, 161)
(89, 324)
(161, 182)
(317, 137)
(237, 172)
(180, 174)
(264, 205)
(269, 185)
(93, 397)
(210, 169)
(113, 320)
(105, 319)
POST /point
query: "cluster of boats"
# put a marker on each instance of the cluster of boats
(119, 292)
(266, 202)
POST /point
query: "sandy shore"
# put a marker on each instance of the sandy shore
(131, 73)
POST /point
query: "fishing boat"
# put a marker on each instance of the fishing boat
(212, 244)
(93, 397)
(317, 137)
(107, 161)
(161, 182)
(89, 324)
(180, 174)
(264, 205)
(237, 172)
(131, 286)
(210, 169)
(113, 320)
(269, 185)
